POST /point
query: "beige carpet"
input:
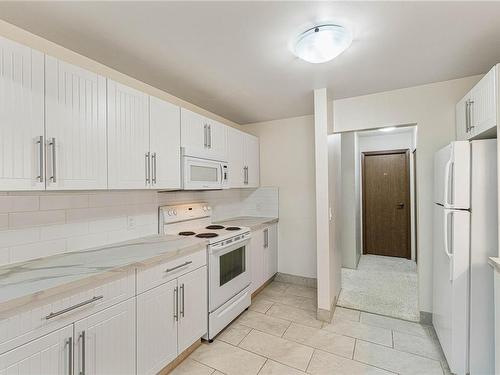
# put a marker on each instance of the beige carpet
(382, 285)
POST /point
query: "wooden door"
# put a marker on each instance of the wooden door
(128, 138)
(105, 341)
(51, 355)
(156, 328)
(21, 117)
(386, 203)
(193, 307)
(165, 144)
(75, 104)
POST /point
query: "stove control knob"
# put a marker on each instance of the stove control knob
(170, 212)
(175, 212)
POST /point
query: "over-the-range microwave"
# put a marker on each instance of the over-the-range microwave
(204, 174)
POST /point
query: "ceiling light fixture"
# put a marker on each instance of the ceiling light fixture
(389, 129)
(322, 43)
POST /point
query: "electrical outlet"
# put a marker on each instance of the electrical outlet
(130, 222)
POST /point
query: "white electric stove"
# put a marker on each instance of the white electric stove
(229, 274)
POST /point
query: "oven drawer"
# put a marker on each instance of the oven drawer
(162, 273)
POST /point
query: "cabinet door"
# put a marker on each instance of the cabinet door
(461, 119)
(49, 355)
(217, 141)
(22, 117)
(257, 258)
(194, 134)
(235, 158)
(484, 104)
(105, 341)
(165, 144)
(271, 251)
(128, 138)
(193, 307)
(252, 160)
(75, 108)
(156, 328)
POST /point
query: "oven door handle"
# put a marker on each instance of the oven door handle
(218, 250)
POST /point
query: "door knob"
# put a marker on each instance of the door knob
(400, 205)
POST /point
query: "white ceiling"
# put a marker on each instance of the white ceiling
(232, 58)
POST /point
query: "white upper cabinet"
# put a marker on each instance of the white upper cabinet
(252, 160)
(75, 127)
(202, 137)
(22, 113)
(243, 159)
(165, 144)
(129, 159)
(476, 113)
(236, 158)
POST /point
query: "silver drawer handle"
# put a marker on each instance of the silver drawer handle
(68, 309)
(179, 266)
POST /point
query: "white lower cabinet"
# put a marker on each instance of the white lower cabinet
(170, 318)
(105, 341)
(48, 355)
(156, 328)
(264, 255)
(193, 307)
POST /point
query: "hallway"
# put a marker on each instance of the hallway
(382, 285)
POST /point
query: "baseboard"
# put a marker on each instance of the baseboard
(180, 358)
(309, 282)
(426, 318)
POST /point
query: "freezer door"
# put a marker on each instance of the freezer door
(452, 175)
(450, 281)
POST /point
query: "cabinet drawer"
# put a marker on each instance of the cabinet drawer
(47, 317)
(162, 273)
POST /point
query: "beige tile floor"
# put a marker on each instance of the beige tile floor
(279, 335)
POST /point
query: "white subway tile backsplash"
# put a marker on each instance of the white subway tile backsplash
(86, 242)
(37, 224)
(39, 249)
(58, 202)
(36, 218)
(4, 256)
(18, 236)
(108, 225)
(4, 221)
(63, 231)
(22, 203)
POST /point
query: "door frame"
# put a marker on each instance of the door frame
(406, 152)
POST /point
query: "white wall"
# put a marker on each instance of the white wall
(349, 245)
(287, 161)
(432, 108)
(335, 196)
(380, 141)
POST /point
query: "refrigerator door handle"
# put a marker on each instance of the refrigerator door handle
(449, 254)
(447, 170)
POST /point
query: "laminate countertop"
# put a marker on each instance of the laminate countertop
(34, 280)
(252, 222)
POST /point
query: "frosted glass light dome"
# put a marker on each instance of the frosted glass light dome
(322, 43)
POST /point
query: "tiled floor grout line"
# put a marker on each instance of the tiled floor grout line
(310, 359)
(204, 364)
(392, 338)
(354, 348)
(261, 367)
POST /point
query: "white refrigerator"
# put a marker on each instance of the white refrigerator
(465, 235)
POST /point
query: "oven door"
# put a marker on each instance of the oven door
(202, 174)
(229, 272)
